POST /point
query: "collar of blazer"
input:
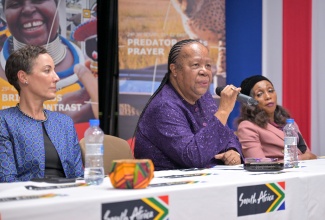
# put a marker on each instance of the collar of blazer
(275, 130)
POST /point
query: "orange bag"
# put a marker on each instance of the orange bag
(131, 174)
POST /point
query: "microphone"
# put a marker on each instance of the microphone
(240, 97)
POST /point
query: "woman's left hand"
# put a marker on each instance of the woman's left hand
(231, 157)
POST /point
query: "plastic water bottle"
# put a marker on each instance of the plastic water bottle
(290, 144)
(94, 138)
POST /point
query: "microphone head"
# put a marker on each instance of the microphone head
(240, 97)
(252, 102)
(219, 89)
(246, 99)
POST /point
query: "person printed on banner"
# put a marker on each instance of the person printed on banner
(37, 23)
(35, 142)
(181, 126)
(206, 21)
(4, 32)
(260, 127)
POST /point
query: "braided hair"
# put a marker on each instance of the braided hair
(172, 59)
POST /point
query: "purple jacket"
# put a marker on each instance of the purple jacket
(175, 134)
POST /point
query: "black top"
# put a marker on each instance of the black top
(53, 165)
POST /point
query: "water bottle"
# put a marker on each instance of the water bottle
(290, 144)
(94, 138)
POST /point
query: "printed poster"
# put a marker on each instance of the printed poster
(68, 29)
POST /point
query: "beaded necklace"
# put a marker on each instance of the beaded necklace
(56, 49)
(31, 116)
(77, 58)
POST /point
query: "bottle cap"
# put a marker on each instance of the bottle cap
(94, 122)
(290, 120)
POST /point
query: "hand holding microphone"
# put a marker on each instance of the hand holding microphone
(240, 97)
(227, 102)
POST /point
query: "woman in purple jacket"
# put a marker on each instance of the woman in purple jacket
(181, 126)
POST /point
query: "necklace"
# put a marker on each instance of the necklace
(68, 77)
(56, 49)
(76, 53)
(31, 116)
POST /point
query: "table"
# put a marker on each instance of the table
(222, 192)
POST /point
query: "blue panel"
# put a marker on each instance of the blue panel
(243, 43)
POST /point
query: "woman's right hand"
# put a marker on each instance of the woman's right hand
(227, 102)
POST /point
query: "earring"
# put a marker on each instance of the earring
(26, 82)
(175, 75)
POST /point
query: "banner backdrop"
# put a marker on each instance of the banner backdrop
(147, 31)
(68, 29)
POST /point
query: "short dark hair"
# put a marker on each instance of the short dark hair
(22, 59)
